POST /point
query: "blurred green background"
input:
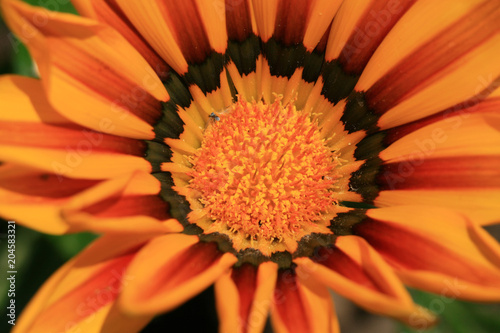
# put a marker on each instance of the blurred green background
(39, 255)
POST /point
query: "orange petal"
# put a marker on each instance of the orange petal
(238, 19)
(244, 297)
(75, 139)
(116, 321)
(162, 23)
(81, 294)
(433, 18)
(481, 206)
(468, 184)
(319, 303)
(35, 124)
(214, 24)
(433, 69)
(302, 306)
(34, 198)
(291, 21)
(485, 102)
(26, 96)
(436, 250)
(447, 173)
(359, 28)
(122, 99)
(81, 163)
(265, 12)
(128, 204)
(108, 12)
(354, 270)
(464, 148)
(170, 270)
(319, 18)
(149, 20)
(471, 135)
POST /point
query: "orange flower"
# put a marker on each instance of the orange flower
(274, 148)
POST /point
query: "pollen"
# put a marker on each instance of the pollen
(264, 171)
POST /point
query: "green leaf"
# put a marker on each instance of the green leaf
(21, 61)
(457, 316)
(64, 6)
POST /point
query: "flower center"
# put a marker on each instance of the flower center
(264, 171)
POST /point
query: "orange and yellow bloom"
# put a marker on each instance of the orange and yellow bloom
(275, 149)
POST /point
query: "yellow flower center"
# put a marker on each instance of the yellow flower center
(264, 171)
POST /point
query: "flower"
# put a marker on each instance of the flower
(274, 148)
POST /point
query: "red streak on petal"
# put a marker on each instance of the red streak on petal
(289, 303)
(422, 173)
(149, 205)
(188, 28)
(369, 32)
(71, 138)
(188, 264)
(453, 43)
(238, 20)
(453, 114)
(86, 299)
(245, 278)
(336, 260)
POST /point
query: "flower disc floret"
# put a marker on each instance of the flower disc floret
(263, 170)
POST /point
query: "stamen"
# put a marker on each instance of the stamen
(264, 171)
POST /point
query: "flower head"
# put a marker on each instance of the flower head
(273, 148)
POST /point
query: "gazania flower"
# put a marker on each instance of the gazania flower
(274, 148)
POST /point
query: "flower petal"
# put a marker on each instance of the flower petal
(265, 12)
(358, 29)
(68, 139)
(481, 206)
(239, 20)
(300, 305)
(36, 137)
(108, 12)
(75, 164)
(244, 297)
(436, 250)
(354, 270)
(438, 16)
(36, 124)
(162, 23)
(129, 204)
(297, 22)
(34, 198)
(486, 102)
(433, 71)
(26, 96)
(170, 270)
(319, 18)
(214, 23)
(478, 135)
(116, 321)
(123, 99)
(461, 172)
(449, 163)
(81, 294)
(149, 20)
